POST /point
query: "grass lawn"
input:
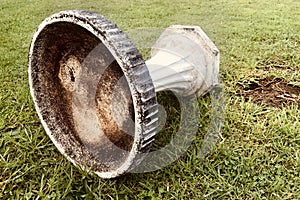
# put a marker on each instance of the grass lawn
(258, 156)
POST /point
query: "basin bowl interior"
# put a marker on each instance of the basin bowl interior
(82, 96)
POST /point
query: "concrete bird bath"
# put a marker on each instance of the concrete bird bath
(96, 96)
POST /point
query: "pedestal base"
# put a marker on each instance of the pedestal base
(184, 60)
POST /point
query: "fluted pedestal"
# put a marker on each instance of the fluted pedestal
(184, 60)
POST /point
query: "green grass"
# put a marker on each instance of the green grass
(259, 155)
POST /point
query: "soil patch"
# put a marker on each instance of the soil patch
(273, 91)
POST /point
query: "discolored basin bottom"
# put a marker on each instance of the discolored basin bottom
(82, 96)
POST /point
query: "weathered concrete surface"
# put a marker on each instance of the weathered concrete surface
(75, 60)
(95, 95)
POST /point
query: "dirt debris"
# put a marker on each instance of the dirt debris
(273, 91)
